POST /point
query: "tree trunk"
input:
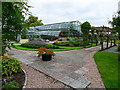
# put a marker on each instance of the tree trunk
(83, 42)
(84, 46)
(107, 42)
(91, 42)
(101, 45)
(111, 43)
(91, 39)
(114, 42)
(96, 42)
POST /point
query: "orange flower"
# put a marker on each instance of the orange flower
(43, 50)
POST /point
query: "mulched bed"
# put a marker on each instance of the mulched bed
(18, 77)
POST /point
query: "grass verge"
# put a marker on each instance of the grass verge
(107, 64)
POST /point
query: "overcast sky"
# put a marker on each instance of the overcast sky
(97, 12)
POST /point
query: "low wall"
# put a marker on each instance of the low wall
(23, 40)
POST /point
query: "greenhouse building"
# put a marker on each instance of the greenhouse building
(56, 30)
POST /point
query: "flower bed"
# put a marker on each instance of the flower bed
(12, 73)
(38, 44)
(70, 43)
(61, 48)
(18, 77)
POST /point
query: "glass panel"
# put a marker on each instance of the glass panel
(55, 29)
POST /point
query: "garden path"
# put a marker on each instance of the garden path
(75, 68)
(112, 49)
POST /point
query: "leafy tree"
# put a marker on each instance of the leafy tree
(85, 27)
(92, 37)
(101, 36)
(13, 21)
(116, 24)
(96, 37)
(23, 34)
(33, 21)
(107, 39)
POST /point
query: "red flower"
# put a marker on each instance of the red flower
(43, 50)
(35, 39)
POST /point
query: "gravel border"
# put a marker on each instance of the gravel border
(36, 79)
(93, 73)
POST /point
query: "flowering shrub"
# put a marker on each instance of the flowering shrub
(10, 65)
(38, 44)
(43, 50)
(35, 39)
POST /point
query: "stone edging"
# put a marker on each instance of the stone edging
(25, 80)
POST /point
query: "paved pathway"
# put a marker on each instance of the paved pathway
(112, 49)
(68, 67)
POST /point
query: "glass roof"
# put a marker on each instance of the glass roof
(55, 28)
(50, 33)
(59, 26)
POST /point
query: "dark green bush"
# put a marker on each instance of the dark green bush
(69, 43)
(17, 41)
(30, 39)
(65, 43)
(36, 46)
(60, 40)
(10, 85)
(68, 39)
(55, 43)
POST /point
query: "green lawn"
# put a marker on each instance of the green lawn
(107, 64)
(61, 48)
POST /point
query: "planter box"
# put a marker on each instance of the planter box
(46, 57)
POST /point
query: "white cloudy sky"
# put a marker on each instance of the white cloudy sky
(97, 12)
